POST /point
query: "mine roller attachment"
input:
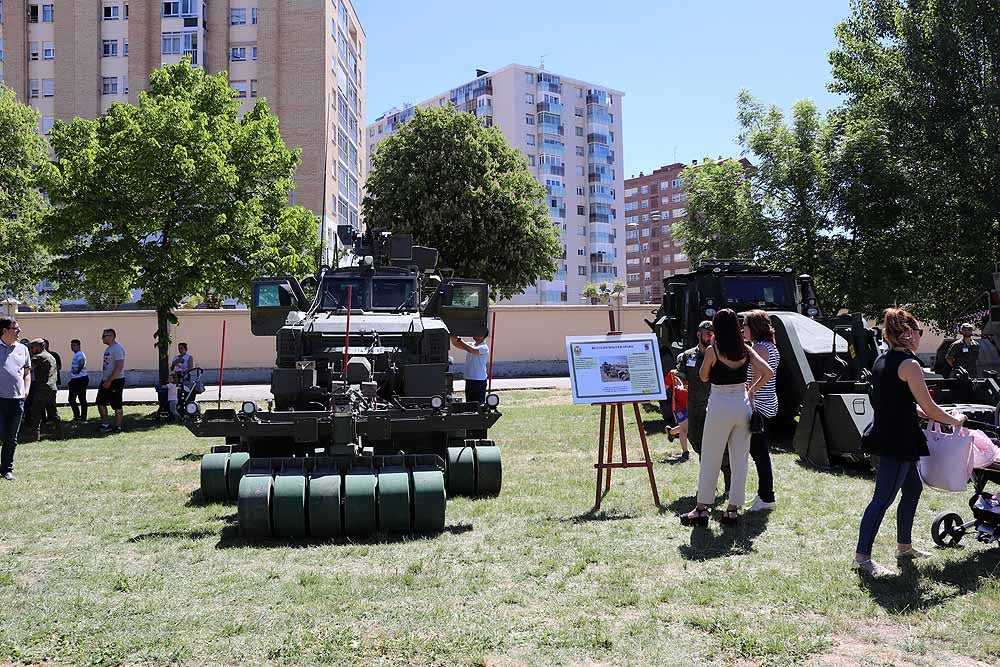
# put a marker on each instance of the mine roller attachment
(221, 472)
(327, 498)
(474, 469)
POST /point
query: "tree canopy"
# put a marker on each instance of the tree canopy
(176, 196)
(23, 157)
(461, 188)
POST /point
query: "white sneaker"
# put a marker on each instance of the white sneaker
(759, 505)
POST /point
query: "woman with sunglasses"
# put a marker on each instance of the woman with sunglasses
(900, 399)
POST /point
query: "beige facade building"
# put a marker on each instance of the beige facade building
(571, 133)
(69, 58)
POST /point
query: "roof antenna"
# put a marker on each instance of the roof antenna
(541, 64)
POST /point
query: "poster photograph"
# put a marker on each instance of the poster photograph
(615, 369)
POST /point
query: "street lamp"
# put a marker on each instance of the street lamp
(642, 269)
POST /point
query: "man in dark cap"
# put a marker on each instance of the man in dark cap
(964, 352)
(43, 388)
(688, 369)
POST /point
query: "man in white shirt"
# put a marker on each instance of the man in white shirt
(15, 382)
(112, 382)
(79, 380)
(477, 357)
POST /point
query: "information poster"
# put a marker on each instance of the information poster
(615, 369)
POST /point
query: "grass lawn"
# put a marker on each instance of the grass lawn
(108, 557)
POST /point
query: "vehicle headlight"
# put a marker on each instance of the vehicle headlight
(192, 408)
(492, 400)
(249, 407)
(437, 402)
(812, 312)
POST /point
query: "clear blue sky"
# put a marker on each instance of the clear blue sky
(680, 63)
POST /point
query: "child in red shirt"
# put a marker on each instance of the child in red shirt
(679, 404)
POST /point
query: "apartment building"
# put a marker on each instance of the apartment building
(570, 132)
(69, 58)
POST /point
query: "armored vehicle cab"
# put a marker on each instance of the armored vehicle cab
(364, 432)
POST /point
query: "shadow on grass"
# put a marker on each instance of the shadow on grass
(861, 470)
(917, 589)
(190, 456)
(230, 538)
(706, 543)
(602, 515)
(70, 430)
(173, 534)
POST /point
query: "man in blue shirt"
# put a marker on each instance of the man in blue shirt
(15, 381)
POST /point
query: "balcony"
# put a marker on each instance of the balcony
(549, 127)
(600, 217)
(552, 146)
(601, 198)
(598, 114)
(558, 213)
(484, 110)
(599, 97)
(600, 177)
(598, 138)
(554, 169)
(549, 107)
(555, 190)
(550, 87)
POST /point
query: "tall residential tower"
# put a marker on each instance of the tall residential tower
(570, 132)
(68, 58)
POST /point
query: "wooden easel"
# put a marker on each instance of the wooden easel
(604, 467)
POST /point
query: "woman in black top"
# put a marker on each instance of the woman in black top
(900, 399)
(727, 423)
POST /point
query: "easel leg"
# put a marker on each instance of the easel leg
(611, 447)
(645, 452)
(621, 431)
(600, 458)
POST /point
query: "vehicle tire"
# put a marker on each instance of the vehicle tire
(946, 530)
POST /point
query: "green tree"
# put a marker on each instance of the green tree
(921, 81)
(461, 188)
(176, 196)
(23, 158)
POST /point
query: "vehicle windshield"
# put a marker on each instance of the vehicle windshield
(768, 291)
(335, 293)
(393, 293)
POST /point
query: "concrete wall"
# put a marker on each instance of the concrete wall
(529, 340)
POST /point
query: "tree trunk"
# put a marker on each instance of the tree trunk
(163, 341)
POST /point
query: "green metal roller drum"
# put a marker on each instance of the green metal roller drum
(462, 471)
(359, 503)
(429, 501)
(288, 505)
(253, 506)
(394, 514)
(214, 468)
(475, 469)
(489, 471)
(234, 473)
(324, 503)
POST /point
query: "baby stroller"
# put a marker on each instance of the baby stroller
(948, 528)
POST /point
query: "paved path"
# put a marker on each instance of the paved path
(261, 392)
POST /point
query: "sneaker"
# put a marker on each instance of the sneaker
(684, 456)
(9, 476)
(759, 505)
(106, 428)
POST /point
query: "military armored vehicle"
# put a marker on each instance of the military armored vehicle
(364, 433)
(823, 379)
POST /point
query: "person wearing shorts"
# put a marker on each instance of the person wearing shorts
(679, 405)
(112, 382)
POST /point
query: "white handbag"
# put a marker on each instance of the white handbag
(949, 465)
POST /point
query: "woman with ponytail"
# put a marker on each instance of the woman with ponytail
(900, 399)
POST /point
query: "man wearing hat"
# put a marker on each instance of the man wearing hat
(964, 352)
(43, 388)
(688, 369)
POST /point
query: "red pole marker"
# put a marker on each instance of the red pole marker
(222, 363)
(493, 337)
(347, 334)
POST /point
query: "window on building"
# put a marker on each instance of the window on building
(189, 46)
(581, 270)
(32, 13)
(48, 50)
(125, 47)
(676, 183)
(240, 87)
(531, 160)
(47, 123)
(124, 85)
(665, 230)
(529, 118)
(678, 212)
(580, 210)
(664, 185)
(109, 48)
(126, 11)
(529, 98)
(48, 87)
(33, 88)
(238, 54)
(253, 87)
(529, 78)
(171, 8)
(1, 49)
(644, 190)
(111, 12)
(579, 151)
(677, 197)
(253, 15)
(109, 85)
(33, 52)
(579, 131)
(578, 112)
(579, 191)
(238, 16)
(253, 52)
(47, 14)
(171, 43)
(581, 251)
(644, 218)
(188, 8)
(644, 203)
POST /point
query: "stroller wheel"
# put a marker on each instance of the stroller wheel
(946, 531)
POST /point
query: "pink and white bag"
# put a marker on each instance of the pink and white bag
(950, 463)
